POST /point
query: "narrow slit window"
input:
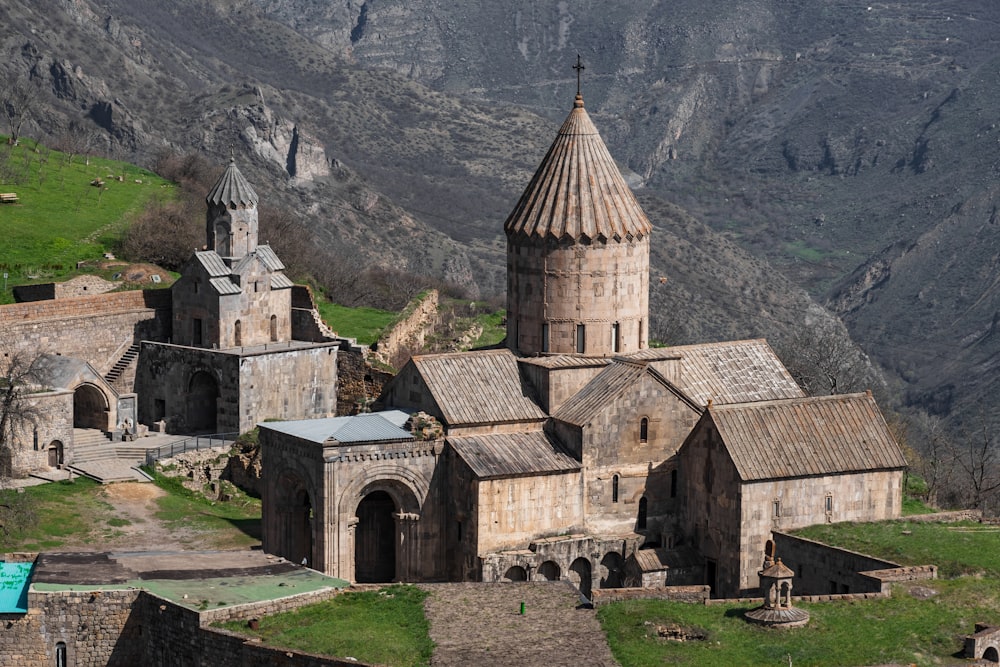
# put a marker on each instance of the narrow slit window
(644, 430)
(614, 489)
(581, 338)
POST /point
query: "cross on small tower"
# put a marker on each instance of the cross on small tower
(579, 68)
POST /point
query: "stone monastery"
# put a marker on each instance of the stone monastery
(577, 451)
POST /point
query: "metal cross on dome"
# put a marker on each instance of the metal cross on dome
(579, 68)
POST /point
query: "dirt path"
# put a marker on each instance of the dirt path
(481, 624)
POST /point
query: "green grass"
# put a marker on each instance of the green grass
(385, 627)
(182, 508)
(956, 548)
(494, 329)
(913, 506)
(60, 218)
(53, 515)
(902, 629)
(364, 324)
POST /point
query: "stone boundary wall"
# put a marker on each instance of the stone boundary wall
(83, 306)
(410, 332)
(946, 517)
(695, 594)
(826, 571)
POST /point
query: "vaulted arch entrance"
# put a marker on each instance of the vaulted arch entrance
(580, 574)
(90, 408)
(295, 520)
(375, 539)
(202, 403)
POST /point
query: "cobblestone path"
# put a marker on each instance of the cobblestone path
(481, 624)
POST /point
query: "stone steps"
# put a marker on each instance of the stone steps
(122, 364)
(89, 436)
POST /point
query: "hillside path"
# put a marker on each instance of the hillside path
(480, 624)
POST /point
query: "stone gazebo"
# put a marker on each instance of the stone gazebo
(777, 610)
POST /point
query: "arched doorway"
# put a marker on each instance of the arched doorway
(202, 402)
(614, 570)
(55, 454)
(295, 520)
(579, 574)
(991, 654)
(549, 571)
(515, 573)
(90, 408)
(375, 539)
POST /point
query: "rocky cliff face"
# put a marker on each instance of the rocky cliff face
(825, 138)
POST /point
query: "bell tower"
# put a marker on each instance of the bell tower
(231, 217)
(577, 252)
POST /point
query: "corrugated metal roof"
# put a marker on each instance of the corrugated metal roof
(212, 262)
(480, 387)
(369, 427)
(730, 372)
(657, 560)
(224, 286)
(577, 191)
(806, 436)
(232, 189)
(512, 454)
(280, 281)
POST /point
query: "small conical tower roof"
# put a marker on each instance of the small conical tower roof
(232, 190)
(577, 191)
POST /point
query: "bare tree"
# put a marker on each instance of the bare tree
(937, 454)
(18, 100)
(824, 360)
(165, 234)
(19, 375)
(978, 460)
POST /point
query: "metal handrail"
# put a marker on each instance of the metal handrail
(197, 442)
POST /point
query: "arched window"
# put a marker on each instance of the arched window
(640, 522)
(238, 333)
(673, 483)
(581, 338)
(614, 489)
(615, 338)
(274, 328)
(60, 654)
(644, 430)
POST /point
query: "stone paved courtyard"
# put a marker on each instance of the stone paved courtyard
(481, 624)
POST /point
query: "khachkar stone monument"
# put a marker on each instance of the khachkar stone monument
(577, 252)
(777, 610)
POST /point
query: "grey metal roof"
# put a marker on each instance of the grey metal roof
(59, 372)
(657, 560)
(224, 285)
(729, 372)
(368, 427)
(478, 387)
(232, 189)
(280, 281)
(577, 191)
(512, 454)
(212, 262)
(806, 436)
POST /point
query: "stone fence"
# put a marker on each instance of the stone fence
(945, 517)
(409, 333)
(695, 594)
(84, 306)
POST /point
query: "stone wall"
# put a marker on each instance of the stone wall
(299, 383)
(98, 628)
(97, 329)
(513, 511)
(410, 332)
(823, 570)
(695, 594)
(53, 428)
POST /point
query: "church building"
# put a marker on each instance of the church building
(576, 446)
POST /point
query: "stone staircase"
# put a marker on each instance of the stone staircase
(97, 457)
(122, 364)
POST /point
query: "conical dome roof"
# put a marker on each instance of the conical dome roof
(232, 189)
(577, 191)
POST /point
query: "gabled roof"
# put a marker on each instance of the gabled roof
(577, 191)
(512, 454)
(606, 387)
(269, 257)
(806, 436)
(730, 372)
(660, 559)
(224, 286)
(566, 361)
(212, 262)
(368, 427)
(482, 387)
(280, 281)
(232, 189)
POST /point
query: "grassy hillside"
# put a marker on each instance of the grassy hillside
(69, 209)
